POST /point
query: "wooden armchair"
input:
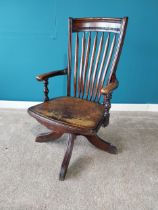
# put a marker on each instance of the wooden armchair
(94, 48)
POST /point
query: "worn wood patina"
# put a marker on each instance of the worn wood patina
(94, 48)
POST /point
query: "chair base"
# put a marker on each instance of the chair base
(93, 139)
(51, 136)
(67, 157)
(101, 144)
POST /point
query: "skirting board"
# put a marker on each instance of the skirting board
(114, 107)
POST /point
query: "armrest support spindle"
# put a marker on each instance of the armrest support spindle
(107, 106)
(46, 76)
(107, 92)
(110, 87)
(46, 90)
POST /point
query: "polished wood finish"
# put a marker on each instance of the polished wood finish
(97, 44)
(96, 66)
(101, 144)
(91, 63)
(76, 64)
(97, 24)
(51, 136)
(107, 65)
(110, 87)
(67, 156)
(85, 64)
(46, 90)
(69, 58)
(99, 53)
(119, 47)
(102, 65)
(48, 75)
(81, 64)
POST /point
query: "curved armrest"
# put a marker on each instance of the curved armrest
(46, 76)
(110, 87)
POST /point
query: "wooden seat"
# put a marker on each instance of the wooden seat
(68, 111)
(94, 49)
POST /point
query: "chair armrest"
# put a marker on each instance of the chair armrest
(109, 88)
(46, 76)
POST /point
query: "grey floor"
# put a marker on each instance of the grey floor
(95, 180)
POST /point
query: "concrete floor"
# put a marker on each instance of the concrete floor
(95, 180)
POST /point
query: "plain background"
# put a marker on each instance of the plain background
(33, 40)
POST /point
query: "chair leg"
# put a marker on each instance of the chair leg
(101, 144)
(67, 157)
(51, 136)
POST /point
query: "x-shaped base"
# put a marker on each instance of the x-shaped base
(93, 139)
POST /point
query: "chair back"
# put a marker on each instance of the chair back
(94, 48)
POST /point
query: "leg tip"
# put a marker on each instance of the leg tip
(113, 150)
(61, 178)
(39, 140)
(62, 175)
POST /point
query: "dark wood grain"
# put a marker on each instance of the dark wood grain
(66, 160)
(97, 24)
(69, 58)
(45, 137)
(48, 75)
(119, 47)
(91, 64)
(46, 90)
(76, 63)
(85, 64)
(93, 57)
(101, 144)
(81, 64)
(44, 77)
(102, 65)
(96, 66)
(107, 64)
(107, 105)
(68, 111)
(110, 87)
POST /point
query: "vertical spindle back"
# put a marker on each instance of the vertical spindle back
(94, 48)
